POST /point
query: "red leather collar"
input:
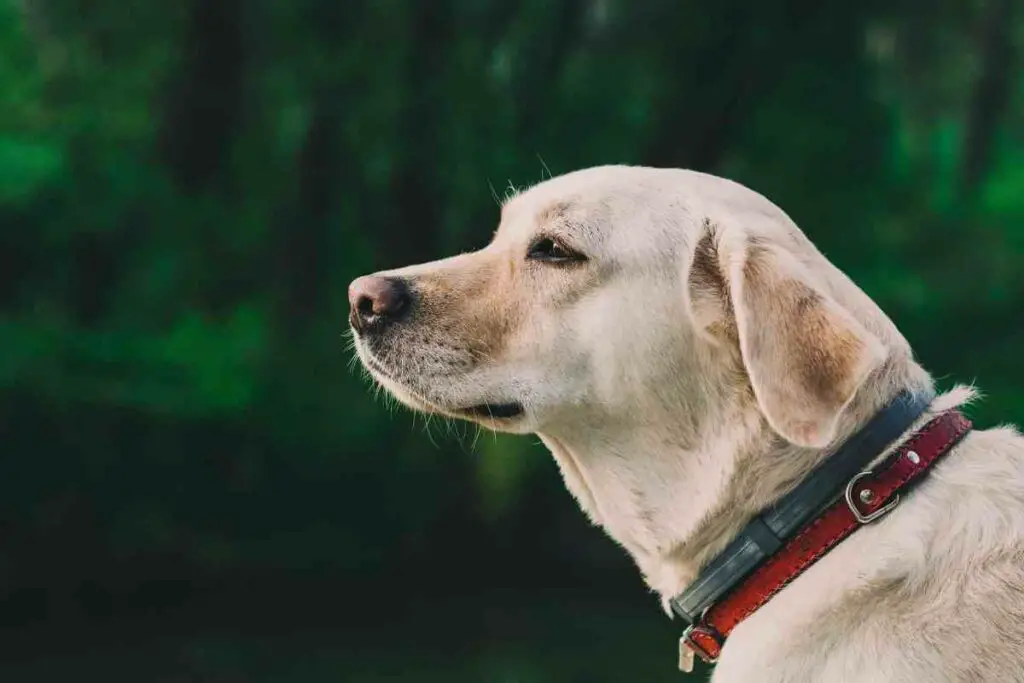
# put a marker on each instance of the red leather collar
(868, 496)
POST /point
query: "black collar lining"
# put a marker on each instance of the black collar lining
(766, 533)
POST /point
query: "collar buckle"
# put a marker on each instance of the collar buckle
(866, 495)
(688, 646)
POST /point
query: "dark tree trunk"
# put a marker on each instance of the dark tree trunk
(991, 92)
(324, 169)
(302, 235)
(414, 195)
(206, 98)
(538, 83)
(748, 52)
(695, 122)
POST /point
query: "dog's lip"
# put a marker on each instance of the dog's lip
(508, 410)
(496, 411)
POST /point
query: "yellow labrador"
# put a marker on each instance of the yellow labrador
(688, 355)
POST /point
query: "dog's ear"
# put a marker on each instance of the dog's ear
(804, 354)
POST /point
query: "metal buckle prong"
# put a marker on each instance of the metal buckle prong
(880, 512)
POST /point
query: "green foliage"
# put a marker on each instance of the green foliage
(186, 189)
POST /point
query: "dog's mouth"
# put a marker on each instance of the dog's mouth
(495, 411)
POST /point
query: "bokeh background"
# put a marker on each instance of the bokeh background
(194, 483)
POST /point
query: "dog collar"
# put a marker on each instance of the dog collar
(838, 497)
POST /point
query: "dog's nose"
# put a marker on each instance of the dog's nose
(376, 301)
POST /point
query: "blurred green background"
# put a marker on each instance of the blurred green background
(195, 485)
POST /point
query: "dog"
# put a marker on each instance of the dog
(688, 357)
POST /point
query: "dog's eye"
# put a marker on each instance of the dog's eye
(551, 251)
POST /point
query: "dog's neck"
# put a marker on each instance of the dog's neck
(675, 495)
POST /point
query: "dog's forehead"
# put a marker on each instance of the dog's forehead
(635, 203)
(584, 201)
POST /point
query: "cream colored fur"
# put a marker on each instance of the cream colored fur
(700, 362)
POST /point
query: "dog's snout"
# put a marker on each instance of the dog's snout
(376, 301)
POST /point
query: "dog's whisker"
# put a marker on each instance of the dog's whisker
(544, 166)
(511, 192)
(494, 193)
(430, 435)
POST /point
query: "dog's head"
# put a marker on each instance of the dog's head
(616, 295)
